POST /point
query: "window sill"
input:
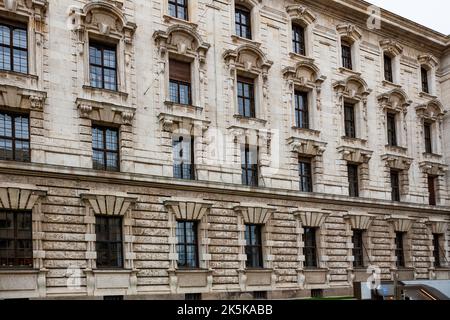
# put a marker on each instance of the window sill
(396, 149)
(311, 132)
(391, 84)
(431, 156)
(249, 119)
(349, 72)
(300, 57)
(170, 104)
(427, 95)
(236, 39)
(354, 140)
(101, 91)
(169, 19)
(26, 79)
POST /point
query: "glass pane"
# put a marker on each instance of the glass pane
(98, 160)
(97, 138)
(6, 152)
(111, 140)
(95, 56)
(5, 58)
(110, 79)
(20, 61)
(173, 92)
(22, 151)
(184, 94)
(5, 35)
(96, 77)
(112, 161)
(5, 125)
(172, 10)
(20, 38)
(22, 128)
(109, 57)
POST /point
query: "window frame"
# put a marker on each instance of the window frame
(358, 251)
(242, 82)
(395, 185)
(185, 244)
(15, 240)
(110, 243)
(425, 84)
(310, 251)
(298, 39)
(16, 26)
(353, 180)
(243, 11)
(437, 250)
(432, 195)
(248, 167)
(13, 138)
(350, 122)
(388, 68)
(301, 114)
(253, 262)
(178, 5)
(391, 126)
(181, 167)
(428, 136)
(346, 53)
(400, 249)
(104, 150)
(103, 47)
(305, 174)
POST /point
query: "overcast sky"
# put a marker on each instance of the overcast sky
(431, 13)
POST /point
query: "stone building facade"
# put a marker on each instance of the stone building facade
(228, 148)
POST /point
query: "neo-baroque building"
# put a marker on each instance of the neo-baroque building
(225, 149)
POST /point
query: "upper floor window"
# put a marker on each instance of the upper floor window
(305, 174)
(346, 49)
(431, 190)
(243, 22)
(16, 246)
(253, 246)
(424, 78)
(395, 185)
(436, 250)
(13, 47)
(14, 137)
(310, 249)
(391, 129)
(353, 180)
(187, 244)
(249, 165)
(428, 137)
(180, 82)
(388, 70)
(399, 249)
(298, 39)
(103, 66)
(178, 9)
(183, 158)
(349, 120)
(246, 97)
(108, 241)
(105, 145)
(358, 248)
(301, 110)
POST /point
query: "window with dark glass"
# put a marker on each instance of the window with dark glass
(249, 165)
(298, 39)
(346, 55)
(349, 120)
(14, 137)
(358, 248)
(183, 158)
(431, 190)
(178, 9)
(16, 246)
(301, 110)
(436, 250)
(305, 173)
(391, 129)
(424, 76)
(243, 22)
(395, 185)
(253, 246)
(187, 244)
(103, 66)
(108, 241)
(388, 73)
(399, 249)
(13, 47)
(180, 82)
(246, 97)
(310, 249)
(105, 147)
(353, 180)
(428, 137)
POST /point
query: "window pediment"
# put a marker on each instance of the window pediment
(173, 122)
(359, 220)
(428, 60)
(37, 8)
(255, 213)
(355, 155)
(433, 110)
(397, 162)
(391, 47)
(311, 218)
(400, 223)
(354, 87)
(433, 168)
(107, 204)
(307, 147)
(15, 97)
(302, 14)
(349, 31)
(437, 226)
(105, 112)
(396, 100)
(188, 209)
(304, 74)
(20, 197)
(249, 58)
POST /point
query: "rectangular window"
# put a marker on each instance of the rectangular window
(178, 9)
(305, 173)
(298, 39)
(243, 23)
(395, 185)
(103, 66)
(301, 110)
(14, 137)
(399, 249)
(249, 165)
(388, 74)
(187, 244)
(436, 250)
(424, 76)
(246, 97)
(349, 120)
(16, 246)
(353, 180)
(183, 158)
(108, 243)
(358, 248)
(14, 47)
(310, 249)
(253, 246)
(391, 129)
(105, 146)
(347, 55)
(428, 137)
(432, 190)
(180, 82)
